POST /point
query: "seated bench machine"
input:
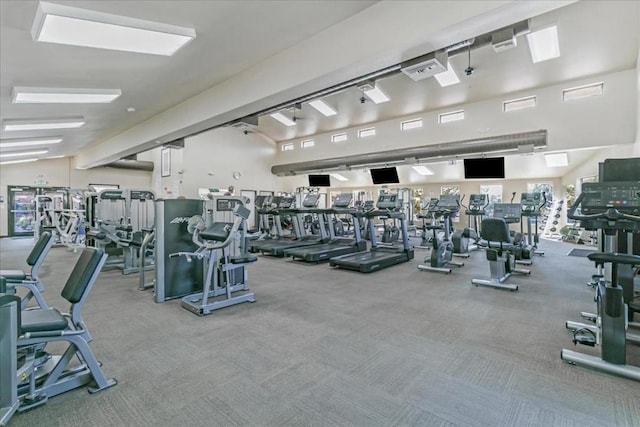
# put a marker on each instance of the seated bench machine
(226, 274)
(31, 281)
(41, 375)
(501, 261)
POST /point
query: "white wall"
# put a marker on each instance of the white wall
(60, 173)
(606, 120)
(636, 151)
(211, 158)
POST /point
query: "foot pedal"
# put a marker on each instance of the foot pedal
(584, 337)
(29, 403)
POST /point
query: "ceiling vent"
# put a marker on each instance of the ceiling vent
(246, 123)
(504, 40)
(426, 66)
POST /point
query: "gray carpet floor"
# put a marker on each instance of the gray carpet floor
(324, 347)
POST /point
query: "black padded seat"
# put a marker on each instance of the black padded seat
(602, 257)
(39, 247)
(94, 234)
(495, 230)
(13, 275)
(243, 259)
(43, 320)
(126, 228)
(218, 231)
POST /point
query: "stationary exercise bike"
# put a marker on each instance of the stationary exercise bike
(462, 238)
(430, 215)
(441, 255)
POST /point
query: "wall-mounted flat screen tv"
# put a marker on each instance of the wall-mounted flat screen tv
(487, 168)
(384, 176)
(319, 181)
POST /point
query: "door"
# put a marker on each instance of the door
(251, 195)
(22, 210)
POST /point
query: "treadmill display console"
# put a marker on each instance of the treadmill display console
(285, 203)
(342, 200)
(530, 199)
(449, 202)
(623, 196)
(311, 200)
(388, 201)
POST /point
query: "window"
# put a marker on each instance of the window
(586, 91)
(287, 147)
(453, 116)
(494, 195)
(339, 137)
(411, 124)
(363, 133)
(307, 143)
(541, 187)
(519, 104)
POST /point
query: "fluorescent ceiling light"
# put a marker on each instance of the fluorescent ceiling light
(10, 162)
(25, 142)
(57, 23)
(556, 160)
(283, 119)
(23, 153)
(339, 177)
(422, 170)
(45, 95)
(447, 78)
(543, 44)
(41, 124)
(376, 95)
(322, 107)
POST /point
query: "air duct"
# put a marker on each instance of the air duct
(130, 164)
(503, 144)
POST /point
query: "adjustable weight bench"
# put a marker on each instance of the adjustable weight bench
(48, 375)
(31, 281)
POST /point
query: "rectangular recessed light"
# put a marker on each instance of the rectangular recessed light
(339, 177)
(286, 147)
(411, 124)
(61, 24)
(42, 124)
(556, 160)
(376, 95)
(519, 104)
(26, 142)
(364, 133)
(323, 107)
(283, 119)
(447, 78)
(339, 137)
(422, 170)
(595, 89)
(45, 95)
(23, 153)
(307, 143)
(543, 44)
(10, 162)
(453, 116)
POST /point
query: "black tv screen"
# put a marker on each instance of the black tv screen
(319, 181)
(384, 176)
(487, 168)
(620, 170)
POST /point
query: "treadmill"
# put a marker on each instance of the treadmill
(277, 247)
(379, 257)
(278, 204)
(337, 245)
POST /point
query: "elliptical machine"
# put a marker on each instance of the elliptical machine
(461, 238)
(532, 204)
(440, 259)
(430, 215)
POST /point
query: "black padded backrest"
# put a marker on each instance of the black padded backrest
(81, 275)
(39, 248)
(495, 230)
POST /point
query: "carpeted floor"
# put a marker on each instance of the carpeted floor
(321, 347)
(581, 252)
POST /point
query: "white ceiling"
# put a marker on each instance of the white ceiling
(231, 36)
(595, 37)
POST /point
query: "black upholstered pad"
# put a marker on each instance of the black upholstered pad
(614, 257)
(81, 275)
(43, 320)
(495, 230)
(243, 259)
(39, 248)
(218, 231)
(13, 275)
